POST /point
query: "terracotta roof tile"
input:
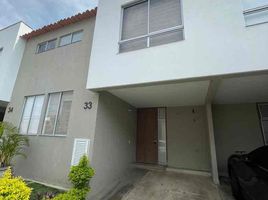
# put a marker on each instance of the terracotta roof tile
(61, 23)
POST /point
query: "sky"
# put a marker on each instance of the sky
(38, 13)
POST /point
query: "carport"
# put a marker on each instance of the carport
(204, 120)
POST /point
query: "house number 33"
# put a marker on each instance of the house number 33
(88, 105)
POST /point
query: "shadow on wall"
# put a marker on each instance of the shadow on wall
(237, 128)
(2, 113)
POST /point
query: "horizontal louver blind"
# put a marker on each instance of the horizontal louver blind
(164, 14)
(135, 21)
(80, 148)
(151, 23)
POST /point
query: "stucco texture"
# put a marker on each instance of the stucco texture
(114, 144)
(187, 138)
(60, 69)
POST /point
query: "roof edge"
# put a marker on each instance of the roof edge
(62, 23)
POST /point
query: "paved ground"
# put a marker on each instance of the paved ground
(162, 185)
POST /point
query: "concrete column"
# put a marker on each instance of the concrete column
(214, 166)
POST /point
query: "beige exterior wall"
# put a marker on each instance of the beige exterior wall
(187, 138)
(63, 68)
(114, 144)
(237, 128)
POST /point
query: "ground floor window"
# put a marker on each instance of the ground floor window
(57, 114)
(263, 110)
(31, 114)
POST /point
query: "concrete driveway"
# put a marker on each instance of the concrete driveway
(162, 185)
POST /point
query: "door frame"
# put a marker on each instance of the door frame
(166, 124)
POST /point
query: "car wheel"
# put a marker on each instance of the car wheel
(236, 190)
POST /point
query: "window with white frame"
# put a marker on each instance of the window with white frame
(150, 23)
(57, 114)
(255, 12)
(263, 110)
(45, 46)
(71, 38)
(31, 114)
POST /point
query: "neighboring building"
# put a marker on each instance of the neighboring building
(204, 62)
(11, 52)
(62, 118)
(49, 95)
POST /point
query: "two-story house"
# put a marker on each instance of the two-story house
(173, 83)
(197, 72)
(11, 52)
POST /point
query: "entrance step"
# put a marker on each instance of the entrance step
(149, 167)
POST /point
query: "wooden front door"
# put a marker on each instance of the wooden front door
(147, 136)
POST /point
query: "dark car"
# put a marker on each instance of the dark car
(249, 174)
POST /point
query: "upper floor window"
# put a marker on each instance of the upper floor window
(150, 23)
(57, 114)
(255, 12)
(31, 114)
(45, 46)
(71, 38)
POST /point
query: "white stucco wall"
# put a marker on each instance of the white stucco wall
(216, 42)
(10, 58)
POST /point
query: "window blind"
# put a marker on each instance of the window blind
(164, 14)
(135, 21)
(151, 23)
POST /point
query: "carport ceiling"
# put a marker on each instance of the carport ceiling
(248, 89)
(179, 94)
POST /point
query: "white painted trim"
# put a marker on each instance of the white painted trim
(186, 171)
(255, 10)
(214, 165)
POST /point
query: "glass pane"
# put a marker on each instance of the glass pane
(133, 45)
(64, 113)
(36, 114)
(164, 14)
(51, 113)
(42, 47)
(162, 157)
(167, 37)
(265, 130)
(77, 36)
(64, 40)
(249, 4)
(264, 111)
(51, 44)
(26, 115)
(135, 21)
